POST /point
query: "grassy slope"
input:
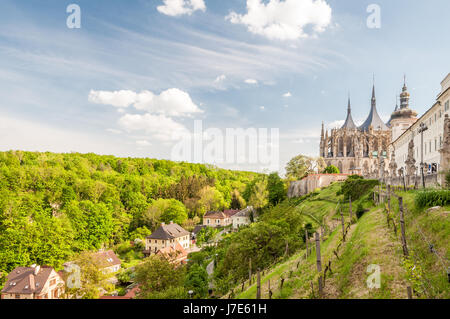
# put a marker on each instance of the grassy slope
(369, 241)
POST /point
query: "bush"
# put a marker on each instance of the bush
(356, 187)
(331, 170)
(360, 210)
(433, 198)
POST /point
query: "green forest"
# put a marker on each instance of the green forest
(53, 206)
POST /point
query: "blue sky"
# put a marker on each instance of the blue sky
(57, 85)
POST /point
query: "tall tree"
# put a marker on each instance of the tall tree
(237, 201)
(260, 197)
(301, 166)
(157, 274)
(276, 189)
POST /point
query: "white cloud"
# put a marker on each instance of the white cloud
(143, 143)
(180, 7)
(251, 81)
(123, 98)
(335, 124)
(172, 102)
(114, 131)
(220, 78)
(284, 20)
(288, 94)
(160, 127)
(262, 108)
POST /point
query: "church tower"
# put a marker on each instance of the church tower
(402, 117)
(373, 121)
(349, 124)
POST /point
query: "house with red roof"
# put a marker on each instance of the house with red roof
(34, 282)
(219, 219)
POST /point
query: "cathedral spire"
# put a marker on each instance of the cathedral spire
(374, 100)
(373, 120)
(349, 108)
(349, 124)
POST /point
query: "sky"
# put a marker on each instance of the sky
(137, 75)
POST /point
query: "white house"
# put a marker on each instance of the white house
(242, 217)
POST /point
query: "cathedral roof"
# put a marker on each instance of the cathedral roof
(349, 124)
(373, 119)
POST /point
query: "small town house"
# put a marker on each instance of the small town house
(166, 236)
(33, 282)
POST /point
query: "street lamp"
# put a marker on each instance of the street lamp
(190, 292)
(422, 129)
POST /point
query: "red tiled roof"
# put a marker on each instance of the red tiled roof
(106, 258)
(316, 176)
(23, 280)
(215, 215)
(230, 212)
(173, 252)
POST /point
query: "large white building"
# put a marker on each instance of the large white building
(432, 137)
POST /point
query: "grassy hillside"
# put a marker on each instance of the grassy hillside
(369, 240)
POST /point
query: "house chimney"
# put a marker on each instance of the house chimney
(36, 269)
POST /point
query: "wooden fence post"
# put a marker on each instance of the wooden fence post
(389, 203)
(306, 242)
(258, 286)
(402, 225)
(409, 292)
(319, 262)
(250, 271)
(350, 209)
(270, 291)
(312, 290)
(343, 226)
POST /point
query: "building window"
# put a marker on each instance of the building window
(446, 106)
(52, 282)
(435, 144)
(440, 141)
(17, 296)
